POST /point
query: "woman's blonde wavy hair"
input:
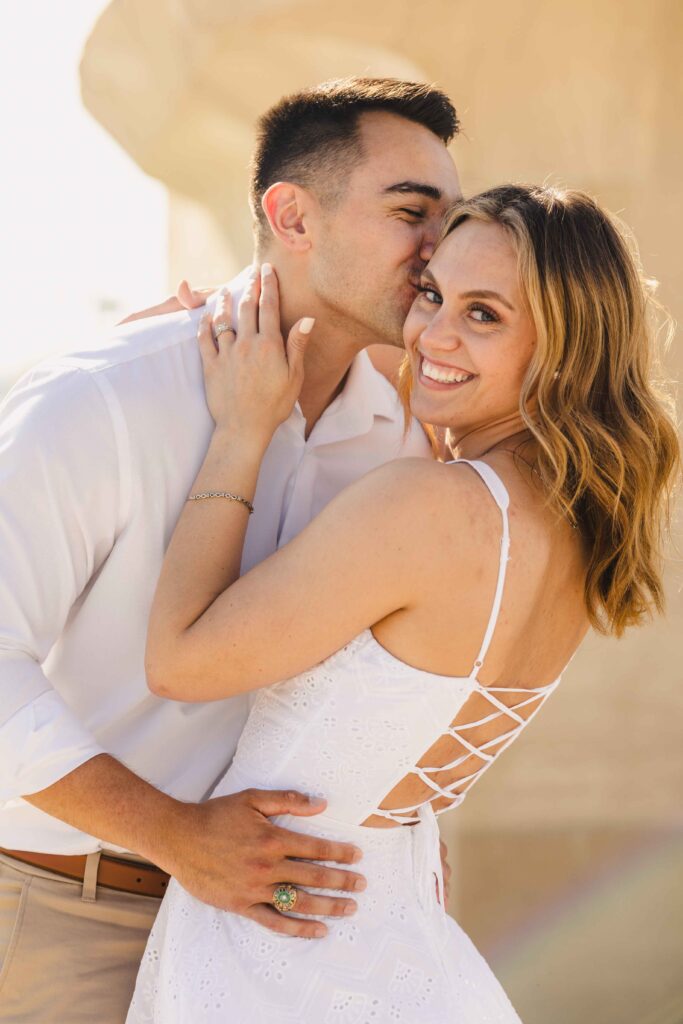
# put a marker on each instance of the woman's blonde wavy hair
(608, 453)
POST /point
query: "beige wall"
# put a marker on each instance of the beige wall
(577, 817)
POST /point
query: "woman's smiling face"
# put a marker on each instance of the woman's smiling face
(469, 335)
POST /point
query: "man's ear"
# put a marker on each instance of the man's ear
(287, 207)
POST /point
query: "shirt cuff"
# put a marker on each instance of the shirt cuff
(40, 744)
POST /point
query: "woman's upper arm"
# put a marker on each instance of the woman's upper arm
(354, 564)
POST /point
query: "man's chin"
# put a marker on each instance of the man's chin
(394, 338)
(393, 332)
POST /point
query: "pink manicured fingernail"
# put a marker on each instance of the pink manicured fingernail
(306, 325)
(266, 269)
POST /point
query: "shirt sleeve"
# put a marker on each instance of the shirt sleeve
(60, 510)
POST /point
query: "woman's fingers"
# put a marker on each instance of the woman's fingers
(269, 303)
(258, 375)
(207, 345)
(223, 318)
(247, 314)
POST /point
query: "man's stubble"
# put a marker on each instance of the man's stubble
(362, 305)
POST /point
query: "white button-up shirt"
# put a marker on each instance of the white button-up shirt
(98, 451)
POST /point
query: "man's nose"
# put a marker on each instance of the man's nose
(429, 238)
(427, 247)
(427, 250)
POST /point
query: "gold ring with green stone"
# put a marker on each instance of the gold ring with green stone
(284, 897)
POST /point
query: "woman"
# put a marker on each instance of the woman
(446, 601)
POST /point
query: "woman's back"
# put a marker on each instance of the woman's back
(362, 727)
(510, 614)
(542, 616)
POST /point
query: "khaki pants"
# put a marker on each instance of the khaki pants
(69, 951)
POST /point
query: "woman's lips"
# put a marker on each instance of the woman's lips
(438, 385)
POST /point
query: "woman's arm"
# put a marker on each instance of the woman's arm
(184, 298)
(212, 634)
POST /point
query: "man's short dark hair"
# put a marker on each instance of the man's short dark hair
(312, 138)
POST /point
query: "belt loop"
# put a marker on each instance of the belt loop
(92, 865)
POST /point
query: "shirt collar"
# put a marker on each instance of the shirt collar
(366, 394)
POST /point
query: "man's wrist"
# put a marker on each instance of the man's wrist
(167, 831)
(104, 798)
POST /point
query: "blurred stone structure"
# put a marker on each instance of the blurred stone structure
(567, 857)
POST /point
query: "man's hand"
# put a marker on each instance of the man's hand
(224, 851)
(228, 854)
(184, 298)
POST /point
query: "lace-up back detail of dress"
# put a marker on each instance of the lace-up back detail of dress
(362, 727)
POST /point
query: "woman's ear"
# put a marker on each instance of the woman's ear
(287, 207)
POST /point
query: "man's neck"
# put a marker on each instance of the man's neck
(325, 373)
(331, 348)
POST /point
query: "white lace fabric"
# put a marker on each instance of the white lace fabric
(349, 729)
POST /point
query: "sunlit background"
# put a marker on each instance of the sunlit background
(567, 857)
(84, 230)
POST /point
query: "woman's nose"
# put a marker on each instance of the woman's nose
(439, 336)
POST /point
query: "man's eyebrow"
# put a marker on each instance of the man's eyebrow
(480, 293)
(417, 187)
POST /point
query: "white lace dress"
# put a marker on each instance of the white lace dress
(348, 729)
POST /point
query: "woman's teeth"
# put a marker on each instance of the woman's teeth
(443, 375)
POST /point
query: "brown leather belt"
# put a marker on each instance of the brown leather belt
(113, 872)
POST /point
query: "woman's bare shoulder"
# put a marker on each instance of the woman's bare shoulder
(449, 497)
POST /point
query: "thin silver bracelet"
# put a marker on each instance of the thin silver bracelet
(221, 494)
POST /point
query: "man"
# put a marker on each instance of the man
(103, 784)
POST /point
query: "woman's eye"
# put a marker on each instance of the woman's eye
(487, 315)
(426, 291)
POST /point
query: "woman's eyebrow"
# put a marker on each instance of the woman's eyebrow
(483, 293)
(479, 293)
